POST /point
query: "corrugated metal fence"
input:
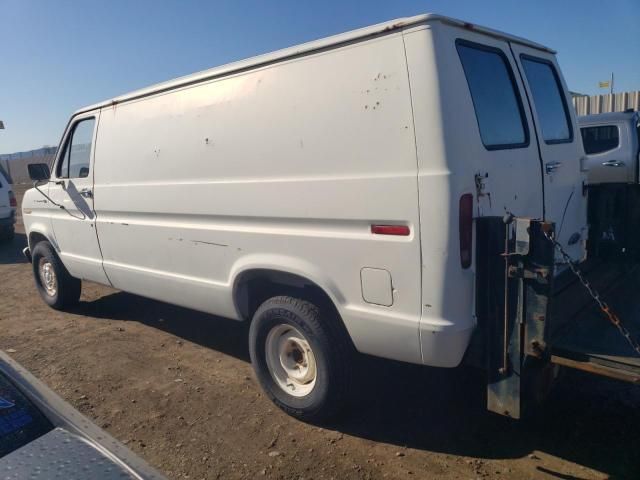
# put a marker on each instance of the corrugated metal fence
(618, 102)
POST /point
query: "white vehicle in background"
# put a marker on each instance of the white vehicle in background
(8, 206)
(339, 195)
(612, 144)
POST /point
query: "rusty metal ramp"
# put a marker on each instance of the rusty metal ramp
(590, 342)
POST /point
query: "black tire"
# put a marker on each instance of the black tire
(68, 288)
(331, 349)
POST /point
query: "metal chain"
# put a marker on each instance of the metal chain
(604, 307)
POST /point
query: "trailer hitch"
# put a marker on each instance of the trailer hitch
(539, 274)
(516, 280)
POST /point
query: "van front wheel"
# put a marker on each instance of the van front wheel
(301, 362)
(55, 284)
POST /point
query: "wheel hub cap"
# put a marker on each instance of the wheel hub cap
(48, 277)
(291, 361)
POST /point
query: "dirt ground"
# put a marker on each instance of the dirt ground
(176, 386)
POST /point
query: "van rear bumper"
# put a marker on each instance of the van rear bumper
(444, 347)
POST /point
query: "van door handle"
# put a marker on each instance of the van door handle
(86, 192)
(613, 163)
(552, 166)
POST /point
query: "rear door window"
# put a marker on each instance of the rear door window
(600, 139)
(548, 99)
(495, 96)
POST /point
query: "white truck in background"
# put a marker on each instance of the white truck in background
(612, 146)
(8, 206)
(342, 195)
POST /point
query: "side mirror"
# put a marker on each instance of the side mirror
(39, 171)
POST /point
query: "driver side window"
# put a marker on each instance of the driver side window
(76, 158)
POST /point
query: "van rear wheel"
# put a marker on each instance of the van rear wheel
(55, 284)
(300, 360)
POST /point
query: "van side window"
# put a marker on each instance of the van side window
(77, 153)
(600, 139)
(549, 100)
(495, 96)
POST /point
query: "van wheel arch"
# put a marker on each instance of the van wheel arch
(253, 287)
(35, 238)
(57, 287)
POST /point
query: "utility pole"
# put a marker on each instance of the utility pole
(611, 84)
(613, 99)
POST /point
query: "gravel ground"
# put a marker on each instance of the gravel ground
(177, 387)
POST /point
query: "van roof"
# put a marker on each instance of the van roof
(309, 47)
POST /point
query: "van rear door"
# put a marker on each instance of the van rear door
(474, 138)
(560, 146)
(485, 99)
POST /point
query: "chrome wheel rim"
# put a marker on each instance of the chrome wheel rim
(48, 277)
(291, 360)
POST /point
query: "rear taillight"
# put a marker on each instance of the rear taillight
(12, 199)
(465, 227)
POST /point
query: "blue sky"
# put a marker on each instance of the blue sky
(57, 56)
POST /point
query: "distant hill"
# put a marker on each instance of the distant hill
(39, 152)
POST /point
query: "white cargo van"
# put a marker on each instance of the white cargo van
(327, 193)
